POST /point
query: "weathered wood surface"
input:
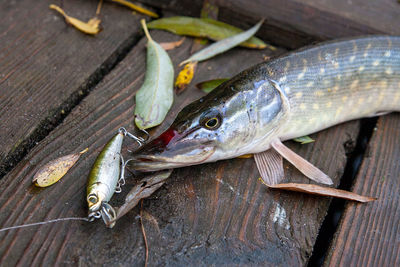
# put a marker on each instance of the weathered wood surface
(209, 214)
(46, 66)
(369, 234)
(295, 23)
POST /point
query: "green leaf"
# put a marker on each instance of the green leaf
(209, 28)
(155, 97)
(208, 86)
(304, 140)
(223, 45)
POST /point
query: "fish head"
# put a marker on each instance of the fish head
(98, 204)
(224, 124)
(96, 195)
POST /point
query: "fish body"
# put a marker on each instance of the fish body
(104, 176)
(293, 95)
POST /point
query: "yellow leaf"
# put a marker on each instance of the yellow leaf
(94, 22)
(90, 27)
(136, 8)
(54, 170)
(185, 76)
(246, 156)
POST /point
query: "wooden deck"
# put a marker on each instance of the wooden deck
(62, 91)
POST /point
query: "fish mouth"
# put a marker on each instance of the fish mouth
(186, 154)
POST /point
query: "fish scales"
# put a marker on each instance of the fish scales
(293, 95)
(338, 81)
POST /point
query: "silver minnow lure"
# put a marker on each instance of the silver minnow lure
(293, 95)
(103, 179)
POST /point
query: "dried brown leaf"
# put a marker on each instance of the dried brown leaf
(91, 27)
(172, 45)
(143, 189)
(54, 170)
(321, 191)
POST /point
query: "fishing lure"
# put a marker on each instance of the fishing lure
(107, 177)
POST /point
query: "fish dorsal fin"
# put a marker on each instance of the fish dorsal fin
(270, 166)
(301, 164)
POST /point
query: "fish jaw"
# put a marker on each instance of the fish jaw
(228, 122)
(172, 149)
(156, 162)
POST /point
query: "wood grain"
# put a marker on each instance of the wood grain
(369, 235)
(215, 213)
(90, 124)
(295, 23)
(181, 7)
(296, 19)
(210, 214)
(47, 66)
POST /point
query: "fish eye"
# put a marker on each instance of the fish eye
(211, 120)
(212, 123)
(92, 198)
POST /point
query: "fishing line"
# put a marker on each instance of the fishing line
(45, 222)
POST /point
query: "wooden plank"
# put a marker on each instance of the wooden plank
(368, 235)
(181, 7)
(215, 213)
(46, 67)
(381, 16)
(295, 23)
(298, 18)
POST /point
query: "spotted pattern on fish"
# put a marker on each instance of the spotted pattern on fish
(293, 95)
(370, 85)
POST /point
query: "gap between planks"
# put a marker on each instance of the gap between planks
(57, 116)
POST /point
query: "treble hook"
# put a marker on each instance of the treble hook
(121, 181)
(147, 135)
(94, 215)
(139, 140)
(108, 214)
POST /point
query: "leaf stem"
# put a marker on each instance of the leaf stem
(146, 31)
(144, 234)
(99, 8)
(59, 10)
(84, 151)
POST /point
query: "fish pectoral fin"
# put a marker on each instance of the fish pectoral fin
(301, 164)
(270, 165)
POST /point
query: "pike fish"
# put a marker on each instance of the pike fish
(293, 95)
